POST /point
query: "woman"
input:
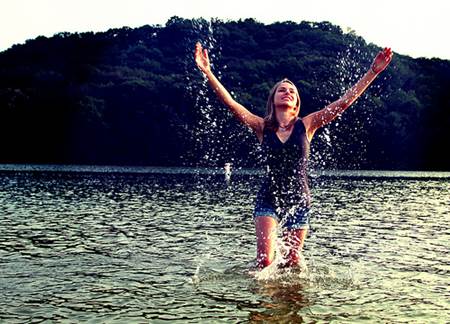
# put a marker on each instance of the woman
(284, 197)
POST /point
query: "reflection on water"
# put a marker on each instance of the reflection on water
(143, 247)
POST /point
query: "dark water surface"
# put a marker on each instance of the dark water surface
(126, 248)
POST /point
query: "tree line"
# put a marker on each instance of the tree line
(133, 96)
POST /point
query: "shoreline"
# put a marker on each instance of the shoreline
(111, 169)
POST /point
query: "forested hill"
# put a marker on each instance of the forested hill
(135, 97)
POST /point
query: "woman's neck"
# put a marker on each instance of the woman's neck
(284, 117)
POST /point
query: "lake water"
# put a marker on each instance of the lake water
(155, 245)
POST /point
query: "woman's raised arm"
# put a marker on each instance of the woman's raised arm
(322, 117)
(242, 114)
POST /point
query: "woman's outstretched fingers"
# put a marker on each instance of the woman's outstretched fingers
(196, 51)
(388, 53)
(201, 58)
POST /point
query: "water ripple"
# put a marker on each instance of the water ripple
(134, 248)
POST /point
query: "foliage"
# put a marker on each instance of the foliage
(134, 96)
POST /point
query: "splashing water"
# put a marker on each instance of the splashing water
(216, 133)
(214, 145)
(208, 128)
(346, 136)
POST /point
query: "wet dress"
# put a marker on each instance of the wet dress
(284, 193)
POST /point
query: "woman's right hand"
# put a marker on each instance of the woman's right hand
(202, 59)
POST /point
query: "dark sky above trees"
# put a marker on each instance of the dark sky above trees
(135, 97)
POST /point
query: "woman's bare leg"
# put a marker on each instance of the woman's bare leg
(293, 240)
(266, 239)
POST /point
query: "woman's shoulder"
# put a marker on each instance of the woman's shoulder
(300, 123)
(306, 121)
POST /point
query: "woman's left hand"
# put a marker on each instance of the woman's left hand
(382, 60)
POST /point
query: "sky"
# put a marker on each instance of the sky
(410, 27)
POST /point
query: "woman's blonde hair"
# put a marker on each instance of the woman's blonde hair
(270, 121)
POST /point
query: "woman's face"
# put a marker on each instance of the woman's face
(286, 96)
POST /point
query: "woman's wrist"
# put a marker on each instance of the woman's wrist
(372, 70)
(208, 72)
